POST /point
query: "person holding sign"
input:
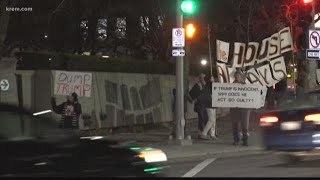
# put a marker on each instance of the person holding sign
(199, 107)
(70, 112)
(206, 99)
(239, 117)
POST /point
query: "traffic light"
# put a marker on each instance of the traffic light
(188, 7)
(305, 13)
(304, 21)
(190, 30)
(307, 1)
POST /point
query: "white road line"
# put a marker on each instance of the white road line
(199, 168)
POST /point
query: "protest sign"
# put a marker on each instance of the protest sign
(66, 83)
(233, 95)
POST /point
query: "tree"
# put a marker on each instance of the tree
(4, 22)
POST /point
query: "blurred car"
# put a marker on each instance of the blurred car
(33, 145)
(293, 130)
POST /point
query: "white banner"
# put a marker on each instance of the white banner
(238, 54)
(274, 47)
(223, 75)
(265, 73)
(279, 69)
(251, 54)
(271, 47)
(222, 51)
(66, 82)
(254, 77)
(237, 95)
(286, 43)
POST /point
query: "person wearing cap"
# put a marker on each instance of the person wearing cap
(70, 111)
(239, 117)
(199, 107)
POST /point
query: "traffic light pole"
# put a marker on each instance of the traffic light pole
(313, 65)
(180, 121)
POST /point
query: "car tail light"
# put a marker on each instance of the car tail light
(315, 118)
(268, 120)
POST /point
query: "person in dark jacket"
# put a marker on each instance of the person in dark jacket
(199, 107)
(206, 99)
(70, 111)
(239, 117)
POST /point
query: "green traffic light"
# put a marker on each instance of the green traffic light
(188, 6)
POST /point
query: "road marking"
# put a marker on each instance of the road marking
(199, 167)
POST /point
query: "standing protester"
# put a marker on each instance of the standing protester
(239, 117)
(70, 112)
(199, 107)
(206, 99)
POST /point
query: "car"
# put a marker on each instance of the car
(32, 145)
(293, 129)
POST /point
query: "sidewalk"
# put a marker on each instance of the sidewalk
(159, 138)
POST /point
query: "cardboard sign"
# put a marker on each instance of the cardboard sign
(66, 83)
(222, 51)
(237, 95)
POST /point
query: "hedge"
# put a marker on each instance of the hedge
(70, 62)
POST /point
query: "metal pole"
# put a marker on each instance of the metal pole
(294, 65)
(179, 85)
(312, 63)
(210, 54)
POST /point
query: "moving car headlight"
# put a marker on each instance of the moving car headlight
(154, 155)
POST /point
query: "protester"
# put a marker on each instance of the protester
(239, 116)
(195, 93)
(206, 99)
(70, 111)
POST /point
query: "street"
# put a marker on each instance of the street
(257, 165)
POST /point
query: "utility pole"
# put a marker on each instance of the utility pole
(180, 121)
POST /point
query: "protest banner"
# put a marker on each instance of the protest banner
(66, 83)
(266, 67)
(231, 95)
(222, 51)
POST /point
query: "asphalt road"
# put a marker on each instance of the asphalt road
(263, 165)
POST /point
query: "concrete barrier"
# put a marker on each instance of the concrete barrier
(117, 99)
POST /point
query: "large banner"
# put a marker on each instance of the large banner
(231, 95)
(66, 82)
(267, 65)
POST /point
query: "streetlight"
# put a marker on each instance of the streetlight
(204, 62)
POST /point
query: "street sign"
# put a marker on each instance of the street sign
(178, 39)
(314, 39)
(178, 52)
(4, 85)
(313, 54)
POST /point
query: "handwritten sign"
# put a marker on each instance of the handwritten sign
(237, 95)
(67, 82)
